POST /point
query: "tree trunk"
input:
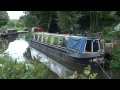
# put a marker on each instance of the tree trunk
(94, 17)
(96, 20)
(49, 24)
(90, 20)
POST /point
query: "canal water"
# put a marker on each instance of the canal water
(19, 49)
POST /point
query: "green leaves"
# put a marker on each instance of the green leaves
(66, 19)
(17, 24)
(87, 70)
(115, 62)
(93, 21)
(3, 18)
(38, 18)
(11, 69)
(85, 75)
(74, 76)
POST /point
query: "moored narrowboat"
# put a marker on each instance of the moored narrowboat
(9, 33)
(78, 49)
(12, 32)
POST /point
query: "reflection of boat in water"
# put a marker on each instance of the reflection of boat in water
(59, 69)
(68, 48)
(7, 40)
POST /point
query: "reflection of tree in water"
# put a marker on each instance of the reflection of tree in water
(27, 54)
(3, 45)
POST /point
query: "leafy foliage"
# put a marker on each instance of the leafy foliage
(66, 19)
(11, 69)
(115, 62)
(13, 23)
(3, 18)
(39, 18)
(86, 74)
(91, 21)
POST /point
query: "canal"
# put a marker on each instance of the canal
(18, 48)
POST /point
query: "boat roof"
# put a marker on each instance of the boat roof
(79, 37)
(92, 38)
(47, 33)
(66, 35)
(76, 43)
(22, 31)
(11, 29)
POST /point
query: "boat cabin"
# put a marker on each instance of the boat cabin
(37, 29)
(11, 31)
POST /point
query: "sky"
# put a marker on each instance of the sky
(15, 14)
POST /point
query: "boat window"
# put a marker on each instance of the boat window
(36, 37)
(40, 37)
(45, 38)
(64, 42)
(88, 46)
(52, 40)
(60, 41)
(55, 40)
(49, 38)
(95, 46)
(32, 37)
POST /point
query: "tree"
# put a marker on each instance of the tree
(92, 21)
(3, 18)
(39, 18)
(20, 24)
(67, 19)
(12, 23)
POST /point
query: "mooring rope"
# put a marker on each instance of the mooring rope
(104, 71)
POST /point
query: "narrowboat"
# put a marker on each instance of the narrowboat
(9, 33)
(37, 29)
(77, 49)
(4, 34)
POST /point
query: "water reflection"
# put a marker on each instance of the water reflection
(16, 49)
(3, 45)
(62, 71)
(4, 42)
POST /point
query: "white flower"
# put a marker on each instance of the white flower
(1, 65)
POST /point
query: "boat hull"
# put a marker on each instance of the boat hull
(59, 54)
(9, 35)
(12, 34)
(4, 35)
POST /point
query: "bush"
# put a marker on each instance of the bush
(85, 75)
(115, 62)
(11, 69)
(28, 36)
